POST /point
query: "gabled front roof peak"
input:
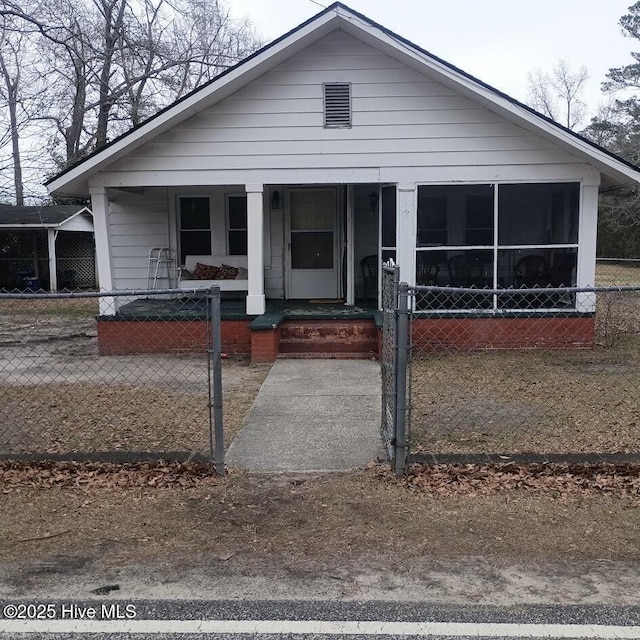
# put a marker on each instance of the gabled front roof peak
(75, 180)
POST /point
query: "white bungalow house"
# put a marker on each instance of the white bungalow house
(339, 141)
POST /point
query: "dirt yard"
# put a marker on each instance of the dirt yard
(306, 523)
(58, 395)
(534, 401)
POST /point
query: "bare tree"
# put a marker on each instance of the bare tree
(558, 95)
(10, 49)
(109, 64)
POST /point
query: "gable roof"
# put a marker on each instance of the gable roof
(74, 180)
(45, 216)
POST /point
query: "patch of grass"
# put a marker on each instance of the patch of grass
(611, 274)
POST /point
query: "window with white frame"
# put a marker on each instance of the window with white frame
(498, 236)
(237, 224)
(194, 226)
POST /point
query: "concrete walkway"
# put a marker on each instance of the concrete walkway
(312, 415)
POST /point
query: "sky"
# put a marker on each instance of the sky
(498, 41)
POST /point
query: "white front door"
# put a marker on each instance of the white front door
(312, 256)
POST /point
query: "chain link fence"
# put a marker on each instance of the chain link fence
(111, 376)
(543, 371)
(538, 372)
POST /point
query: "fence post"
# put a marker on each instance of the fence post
(216, 435)
(402, 362)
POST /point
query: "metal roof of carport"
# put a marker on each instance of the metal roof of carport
(43, 216)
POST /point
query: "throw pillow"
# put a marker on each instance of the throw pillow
(205, 272)
(227, 272)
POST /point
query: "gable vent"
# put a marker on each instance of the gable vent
(337, 104)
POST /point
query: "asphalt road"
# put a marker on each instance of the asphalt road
(104, 618)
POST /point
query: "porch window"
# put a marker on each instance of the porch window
(498, 236)
(237, 224)
(195, 226)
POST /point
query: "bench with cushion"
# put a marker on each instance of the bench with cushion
(228, 272)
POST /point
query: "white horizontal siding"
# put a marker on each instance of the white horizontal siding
(403, 123)
(318, 158)
(391, 133)
(385, 146)
(136, 225)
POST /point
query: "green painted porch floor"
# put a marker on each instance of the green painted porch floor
(189, 308)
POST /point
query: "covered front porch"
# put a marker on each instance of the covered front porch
(261, 242)
(327, 241)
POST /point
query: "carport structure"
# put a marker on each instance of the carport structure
(22, 231)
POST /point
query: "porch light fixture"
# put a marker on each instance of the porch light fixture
(373, 201)
(275, 200)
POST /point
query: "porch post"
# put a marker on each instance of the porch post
(53, 263)
(255, 249)
(100, 210)
(406, 229)
(351, 293)
(587, 234)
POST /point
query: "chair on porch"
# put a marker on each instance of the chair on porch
(369, 267)
(531, 271)
(426, 271)
(467, 269)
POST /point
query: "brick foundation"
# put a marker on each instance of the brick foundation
(119, 337)
(468, 334)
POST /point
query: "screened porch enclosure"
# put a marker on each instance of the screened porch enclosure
(507, 236)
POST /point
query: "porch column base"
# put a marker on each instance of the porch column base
(256, 305)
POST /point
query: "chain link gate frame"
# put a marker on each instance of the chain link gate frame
(394, 367)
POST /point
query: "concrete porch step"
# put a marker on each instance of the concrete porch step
(371, 355)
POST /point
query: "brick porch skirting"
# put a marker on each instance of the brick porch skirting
(468, 334)
(118, 336)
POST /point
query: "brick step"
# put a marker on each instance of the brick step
(329, 336)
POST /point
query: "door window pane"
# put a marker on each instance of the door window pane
(312, 250)
(311, 219)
